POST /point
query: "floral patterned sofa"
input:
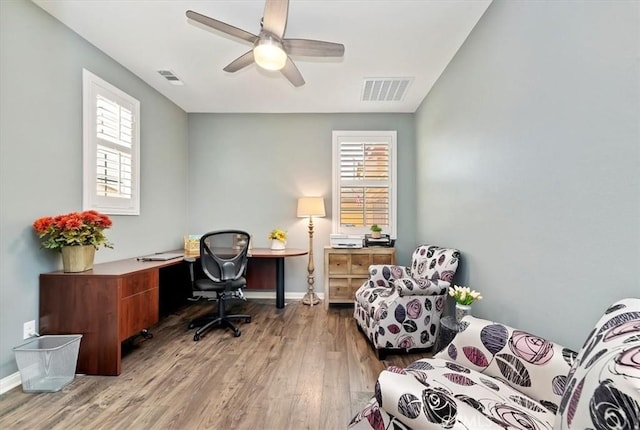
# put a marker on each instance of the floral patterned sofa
(399, 307)
(494, 377)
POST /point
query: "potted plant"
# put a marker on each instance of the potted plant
(76, 235)
(278, 239)
(464, 297)
(375, 231)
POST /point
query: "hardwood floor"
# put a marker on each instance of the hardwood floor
(292, 368)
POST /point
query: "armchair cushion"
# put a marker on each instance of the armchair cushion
(384, 275)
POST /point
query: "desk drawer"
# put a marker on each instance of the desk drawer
(139, 282)
(137, 312)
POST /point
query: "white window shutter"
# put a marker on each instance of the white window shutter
(111, 148)
(364, 181)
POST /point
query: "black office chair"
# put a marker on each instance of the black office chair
(223, 258)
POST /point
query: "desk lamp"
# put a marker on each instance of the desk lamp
(310, 207)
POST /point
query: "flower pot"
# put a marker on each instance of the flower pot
(375, 235)
(77, 258)
(462, 311)
(278, 245)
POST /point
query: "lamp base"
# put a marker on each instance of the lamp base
(310, 299)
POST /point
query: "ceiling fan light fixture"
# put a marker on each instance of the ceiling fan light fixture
(269, 54)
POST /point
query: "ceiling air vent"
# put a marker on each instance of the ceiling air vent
(384, 89)
(171, 77)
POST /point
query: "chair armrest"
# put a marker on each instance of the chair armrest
(408, 286)
(528, 363)
(382, 275)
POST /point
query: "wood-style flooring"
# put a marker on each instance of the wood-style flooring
(296, 368)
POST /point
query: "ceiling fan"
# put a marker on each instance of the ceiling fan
(270, 50)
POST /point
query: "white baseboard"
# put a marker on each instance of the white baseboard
(9, 382)
(272, 295)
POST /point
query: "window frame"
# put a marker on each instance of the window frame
(92, 86)
(357, 136)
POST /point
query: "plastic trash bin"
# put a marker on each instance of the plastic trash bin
(48, 363)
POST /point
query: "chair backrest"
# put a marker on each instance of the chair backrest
(223, 254)
(434, 263)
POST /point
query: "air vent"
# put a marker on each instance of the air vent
(385, 89)
(171, 77)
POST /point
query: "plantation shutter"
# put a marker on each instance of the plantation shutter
(111, 148)
(114, 131)
(365, 183)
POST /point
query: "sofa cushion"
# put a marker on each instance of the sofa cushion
(603, 385)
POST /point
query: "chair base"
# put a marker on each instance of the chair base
(207, 323)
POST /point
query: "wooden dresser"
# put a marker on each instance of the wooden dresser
(345, 270)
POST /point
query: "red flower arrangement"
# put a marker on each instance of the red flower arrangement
(73, 229)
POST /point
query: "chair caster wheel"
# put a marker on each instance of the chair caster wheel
(236, 333)
(196, 337)
(247, 320)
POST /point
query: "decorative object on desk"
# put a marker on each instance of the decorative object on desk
(375, 231)
(464, 297)
(278, 239)
(192, 244)
(76, 235)
(310, 207)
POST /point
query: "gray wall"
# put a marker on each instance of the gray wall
(41, 65)
(247, 171)
(528, 154)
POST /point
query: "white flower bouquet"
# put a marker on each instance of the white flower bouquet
(464, 295)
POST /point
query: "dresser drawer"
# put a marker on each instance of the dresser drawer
(360, 264)
(338, 264)
(340, 289)
(383, 259)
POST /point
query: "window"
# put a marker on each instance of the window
(364, 181)
(111, 148)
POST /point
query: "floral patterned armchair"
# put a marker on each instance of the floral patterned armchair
(495, 377)
(400, 307)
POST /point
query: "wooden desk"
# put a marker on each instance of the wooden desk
(263, 262)
(117, 300)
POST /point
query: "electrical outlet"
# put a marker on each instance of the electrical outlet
(29, 329)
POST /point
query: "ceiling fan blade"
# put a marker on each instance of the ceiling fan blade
(239, 63)
(275, 17)
(291, 72)
(313, 48)
(222, 26)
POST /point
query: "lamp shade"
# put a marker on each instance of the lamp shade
(310, 206)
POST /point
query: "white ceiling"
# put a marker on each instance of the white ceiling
(383, 39)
